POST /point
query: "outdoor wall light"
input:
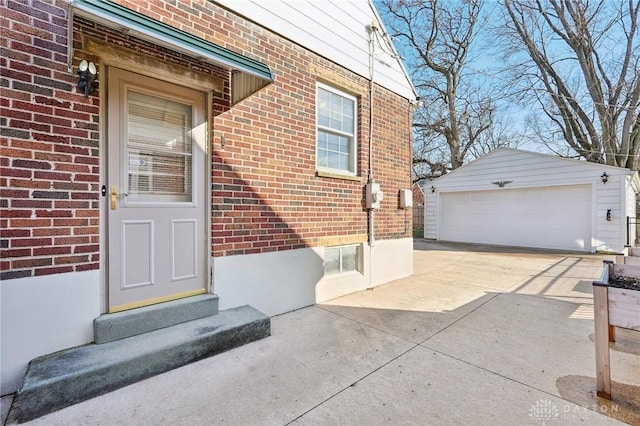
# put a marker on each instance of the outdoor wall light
(433, 189)
(608, 215)
(604, 177)
(87, 72)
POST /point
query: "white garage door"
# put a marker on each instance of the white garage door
(551, 217)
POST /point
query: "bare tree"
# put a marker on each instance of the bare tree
(437, 39)
(500, 134)
(583, 69)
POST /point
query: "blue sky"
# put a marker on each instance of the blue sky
(487, 67)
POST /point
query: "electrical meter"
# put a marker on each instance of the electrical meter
(373, 195)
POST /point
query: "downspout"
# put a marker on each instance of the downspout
(69, 37)
(370, 179)
(372, 47)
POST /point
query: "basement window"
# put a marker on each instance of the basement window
(342, 259)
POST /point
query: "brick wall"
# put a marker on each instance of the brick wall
(49, 142)
(266, 194)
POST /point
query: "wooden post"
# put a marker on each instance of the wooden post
(610, 272)
(610, 268)
(602, 336)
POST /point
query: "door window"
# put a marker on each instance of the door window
(159, 149)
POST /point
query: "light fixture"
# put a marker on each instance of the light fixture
(604, 177)
(87, 72)
(608, 215)
(417, 103)
(433, 189)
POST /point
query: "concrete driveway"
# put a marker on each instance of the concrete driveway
(479, 335)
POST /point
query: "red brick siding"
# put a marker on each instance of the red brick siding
(50, 142)
(266, 195)
(50, 151)
(265, 192)
(392, 162)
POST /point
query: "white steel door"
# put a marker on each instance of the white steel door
(156, 197)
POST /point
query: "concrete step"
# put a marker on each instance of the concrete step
(110, 327)
(67, 377)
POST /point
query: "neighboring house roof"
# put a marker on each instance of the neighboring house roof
(336, 30)
(418, 195)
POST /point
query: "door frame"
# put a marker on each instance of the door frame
(114, 58)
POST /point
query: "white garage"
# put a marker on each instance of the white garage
(519, 198)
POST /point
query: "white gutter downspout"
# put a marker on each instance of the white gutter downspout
(69, 37)
(372, 28)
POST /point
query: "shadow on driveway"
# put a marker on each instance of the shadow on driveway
(524, 315)
(476, 336)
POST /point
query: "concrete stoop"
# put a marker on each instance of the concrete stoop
(70, 376)
(110, 327)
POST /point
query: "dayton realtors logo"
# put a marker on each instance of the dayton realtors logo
(543, 411)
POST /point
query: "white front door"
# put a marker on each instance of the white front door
(157, 240)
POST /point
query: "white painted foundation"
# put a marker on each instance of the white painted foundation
(392, 260)
(42, 315)
(279, 282)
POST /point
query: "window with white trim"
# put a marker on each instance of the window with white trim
(336, 133)
(341, 259)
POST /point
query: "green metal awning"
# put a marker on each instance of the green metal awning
(247, 75)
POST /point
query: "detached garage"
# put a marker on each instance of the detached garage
(518, 198)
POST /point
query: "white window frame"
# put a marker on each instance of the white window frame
(353, 164)
(341, 271)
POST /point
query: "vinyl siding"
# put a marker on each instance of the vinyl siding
(531, 170)
(336, 30)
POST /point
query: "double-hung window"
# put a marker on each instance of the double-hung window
(336, 139)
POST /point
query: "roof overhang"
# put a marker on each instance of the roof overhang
(247, 75)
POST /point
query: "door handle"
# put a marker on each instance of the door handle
(114, 197)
